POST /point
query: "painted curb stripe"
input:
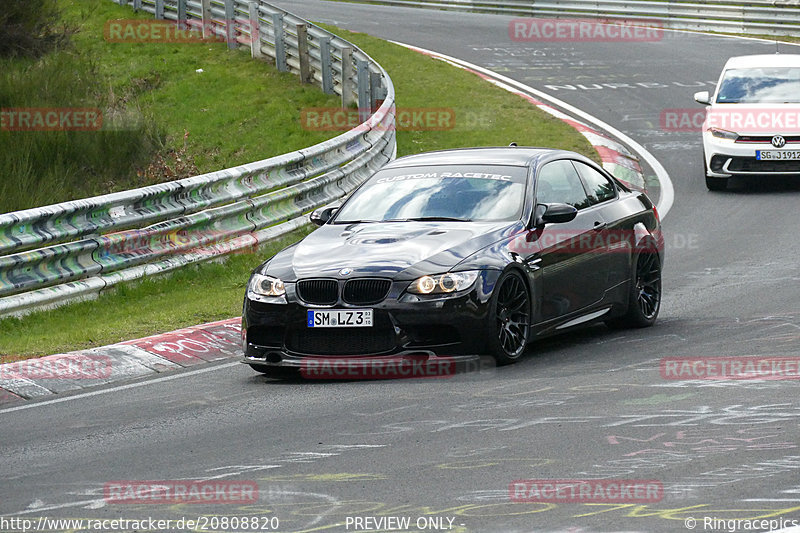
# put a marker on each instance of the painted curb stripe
(125, 360)
(8, 397)
(195, 345)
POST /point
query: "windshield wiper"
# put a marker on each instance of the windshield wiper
(434, 219)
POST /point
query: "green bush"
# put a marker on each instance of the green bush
(30, 28)
(43, 167)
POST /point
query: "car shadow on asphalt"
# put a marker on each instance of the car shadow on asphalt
(547, 352)
(764, 185)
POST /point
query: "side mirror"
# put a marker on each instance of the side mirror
(554, 213)
(323, 214)
(702, 98)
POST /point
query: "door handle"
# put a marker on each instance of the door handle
(598, 226)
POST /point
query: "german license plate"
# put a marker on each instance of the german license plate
(777, 155)
(339, 318)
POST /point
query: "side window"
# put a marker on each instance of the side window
(599, 187)
(558, 182)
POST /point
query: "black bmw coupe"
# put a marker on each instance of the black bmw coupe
(462, 252)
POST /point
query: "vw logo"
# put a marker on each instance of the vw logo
(345, 271)
(778, 141)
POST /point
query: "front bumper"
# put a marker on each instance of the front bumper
(728, 158)
(277, 334)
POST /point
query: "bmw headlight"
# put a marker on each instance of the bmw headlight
(724, 134)
(269, 286)
(444, 283)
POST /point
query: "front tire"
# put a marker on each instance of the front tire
(644, 296)
(716, 184)
(509, 319)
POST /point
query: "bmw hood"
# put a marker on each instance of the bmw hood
(400, 250)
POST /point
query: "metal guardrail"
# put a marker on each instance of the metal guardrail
(754, 17)
(73, 250)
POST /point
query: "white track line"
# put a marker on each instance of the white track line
(667, 191)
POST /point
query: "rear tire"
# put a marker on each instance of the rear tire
(510, 319)
(644, 296)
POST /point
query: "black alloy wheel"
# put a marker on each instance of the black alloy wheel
(644, 301)
(648, 284)
(510, 318)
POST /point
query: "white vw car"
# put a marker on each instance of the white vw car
(752, 125)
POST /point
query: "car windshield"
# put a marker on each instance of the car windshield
(760, 85)
(446, 192)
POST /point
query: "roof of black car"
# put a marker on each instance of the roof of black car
(506, 155)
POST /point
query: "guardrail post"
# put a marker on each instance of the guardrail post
(327, 67)
(347, 77)
(302, 53)
(181, 22)
(137, 5)
(208, 29)
(743, 19)
(280, 42)
(376, 89)
(230, 28)
(255, 31)
(364, 90)
(159, 9)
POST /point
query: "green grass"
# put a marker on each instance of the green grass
(215, 291)
(236, 111)
(44, 167)
(782, 38)
(155, 105)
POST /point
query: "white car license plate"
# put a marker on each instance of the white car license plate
(339, 318)
(777, 155)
